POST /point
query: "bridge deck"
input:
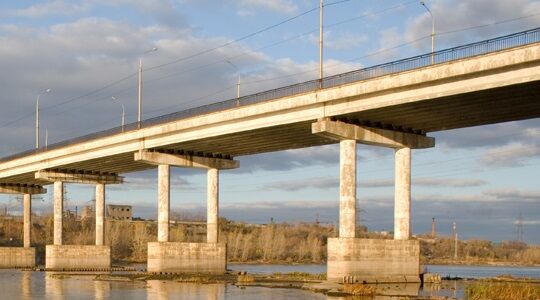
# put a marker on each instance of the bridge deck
(484, 89)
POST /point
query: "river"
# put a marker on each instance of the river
(15, 284)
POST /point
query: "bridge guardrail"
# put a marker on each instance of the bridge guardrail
(407, 64)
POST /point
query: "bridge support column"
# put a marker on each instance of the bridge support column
(352, 259)
(58, 212)
(402, 205)
(27, 220)
(177, 257)
(212, 214)
(60, 257)
(164, 195)
(100, 214)
(347, 189)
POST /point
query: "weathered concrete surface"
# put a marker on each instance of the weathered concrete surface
(58, 212)
(17, 257)
(402, 194)
(347, 189)
(21, 189)
(78, 177)
(373, 260)
(77, 257)
(164, 197)
(171, 257)
(212, 210)
(27, 220)
(371, 136)
(100, 213)
(187, 161)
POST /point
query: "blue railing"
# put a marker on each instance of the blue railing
(447, 55)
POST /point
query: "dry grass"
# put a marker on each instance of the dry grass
(502, 291)
(358, 289)
(245, 279)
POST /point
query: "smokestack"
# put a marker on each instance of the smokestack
(433, 233)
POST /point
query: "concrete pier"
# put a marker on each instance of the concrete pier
(100, 213)
(171, 257)
(77, 258)
(27, 220)
(58, 211)
(212, 215)
(402, 205)
(164, 195)
(17, 257)
(373, 260)
(351, 259)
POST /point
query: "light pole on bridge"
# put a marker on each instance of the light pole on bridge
(37, 115)
(139, 115)
(432, 31)
(123, 111)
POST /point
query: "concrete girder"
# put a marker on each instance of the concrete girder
(371, 136)
(21, 189)
(186, 161)
(79, 177)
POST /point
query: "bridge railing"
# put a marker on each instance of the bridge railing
(424, 60)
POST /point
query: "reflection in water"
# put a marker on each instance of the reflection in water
(388, 292)
(53, 287)
(26, 285)
(101, 289)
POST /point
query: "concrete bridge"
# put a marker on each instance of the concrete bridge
(395, 105)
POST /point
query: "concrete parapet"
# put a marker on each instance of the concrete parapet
(373, 260)
(17, 257)
(169, 257)
(77, 257)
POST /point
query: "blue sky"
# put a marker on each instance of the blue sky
(482, 177)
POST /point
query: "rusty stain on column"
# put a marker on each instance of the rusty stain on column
(402, 205)
(212, 214)
(164, 195)
(347, 189)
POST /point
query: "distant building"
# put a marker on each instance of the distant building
(87, 212)
(119, 212)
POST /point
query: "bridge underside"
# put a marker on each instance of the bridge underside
(510, 103)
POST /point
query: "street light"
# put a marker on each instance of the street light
(432, 31)
(238, 82)
(123, 111)
(321, 40)
(37, 115)
(140, 85)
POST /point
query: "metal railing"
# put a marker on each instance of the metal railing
(412, 63)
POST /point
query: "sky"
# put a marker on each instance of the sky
(87, 52)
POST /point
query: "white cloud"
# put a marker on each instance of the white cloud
(52, 8)
(426, 181)
(280, 6)
(451, 15)
(510, 155)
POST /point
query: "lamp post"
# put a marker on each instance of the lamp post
(37, 115)
(140, 86)
(321, 38)
(238, 81)
(432, 31)
(123, 112)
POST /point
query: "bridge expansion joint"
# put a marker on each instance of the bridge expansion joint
(337, 130)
